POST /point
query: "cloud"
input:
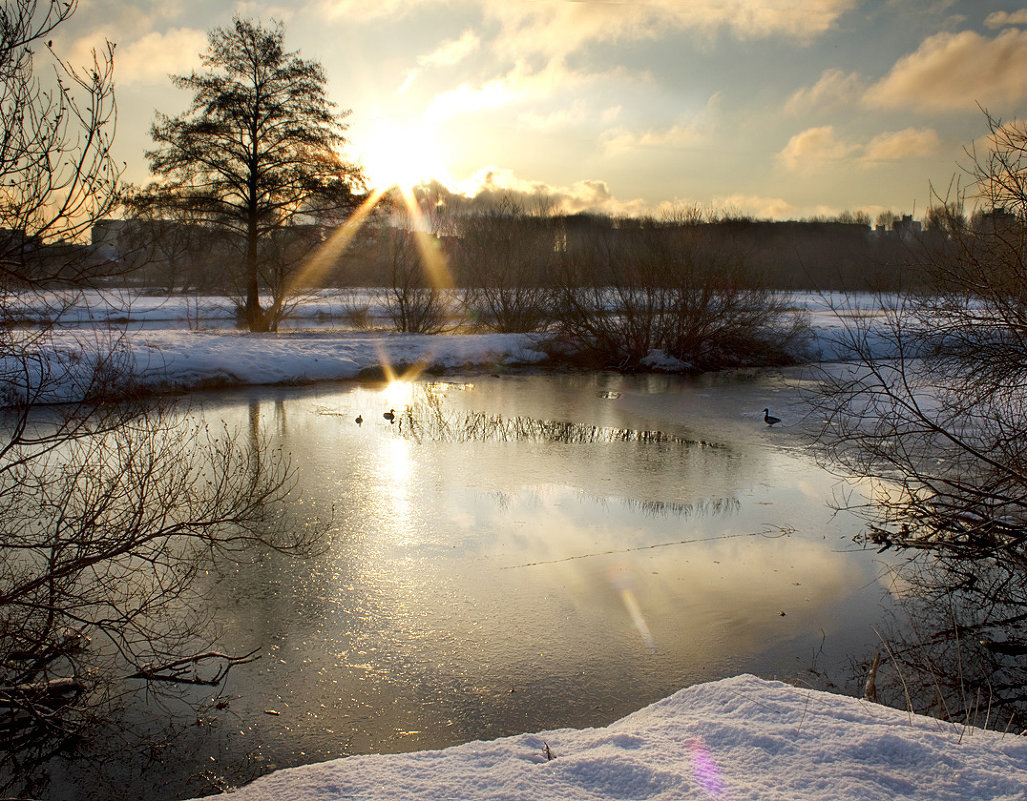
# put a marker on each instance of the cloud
(447, 54)
(466, 99)
(688, 133)
(149, 59)
(357, 11)
(622, 140)
(518, 84)
(488, 185)
(815, 146)
(773, 208)
(557, 28)
(904, 144)
(541, 38)
(1000, 19)
(559, 119)
(453, 51)
(835, 88)
(573, 23)
(955, 71)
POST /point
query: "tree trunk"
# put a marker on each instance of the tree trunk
(256, 320)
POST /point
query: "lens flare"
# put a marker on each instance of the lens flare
(622, 581)
(706, 773)
(325, 256)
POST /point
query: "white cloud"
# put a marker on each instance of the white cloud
(466, 99)
(897, 145)
(611, 113)
(1000, 19)
(519, 84)
(453, 51)
(540, 36)
(558, 119)
(156, 55)
(773, 208)
(149, 59)
(558, 28)
(816, 147)
(835, 88)
(687, 133)
(956, 71)
(447, 54)
(675, 137)
(813, 147)
(487, 184)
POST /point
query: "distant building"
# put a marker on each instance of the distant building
(997, 220)
(907, 226)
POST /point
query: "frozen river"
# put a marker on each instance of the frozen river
(517, 553)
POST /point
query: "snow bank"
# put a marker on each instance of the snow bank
(163, 357)
(738, 738)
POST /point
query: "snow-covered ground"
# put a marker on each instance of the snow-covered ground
(164, 353)
(734, 739)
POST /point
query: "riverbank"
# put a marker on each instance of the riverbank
(152, 342)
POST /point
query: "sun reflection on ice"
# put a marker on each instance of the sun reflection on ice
(398, 394)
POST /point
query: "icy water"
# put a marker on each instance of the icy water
(520, 553)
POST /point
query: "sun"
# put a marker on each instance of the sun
(401, 154)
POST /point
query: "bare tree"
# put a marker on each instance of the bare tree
(941, 416)
(55, 161)
(256, 153)
(108, 506)
(931, 414)
(413, 300)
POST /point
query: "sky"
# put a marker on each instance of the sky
(781, 109)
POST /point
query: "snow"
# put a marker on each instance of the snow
(164, 353)
(184, 359)
(738, 738)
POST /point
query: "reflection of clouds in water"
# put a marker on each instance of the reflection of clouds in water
(605, 571)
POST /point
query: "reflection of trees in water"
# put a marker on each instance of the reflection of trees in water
(428, 419)
(707, 507)
(959, 650)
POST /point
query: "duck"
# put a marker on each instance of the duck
(360, 419)
(390, 415)
(769, 419)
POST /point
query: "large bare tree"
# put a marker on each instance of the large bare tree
(256, 153)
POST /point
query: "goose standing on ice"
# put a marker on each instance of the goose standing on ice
(769, 419)
(390, 415)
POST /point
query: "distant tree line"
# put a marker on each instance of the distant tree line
(175, 254)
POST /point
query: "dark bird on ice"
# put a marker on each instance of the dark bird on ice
(390, 415)
(769, 419)
(360, 419)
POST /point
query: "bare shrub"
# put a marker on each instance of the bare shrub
(413, 301)
(630, 290)
(506, 259)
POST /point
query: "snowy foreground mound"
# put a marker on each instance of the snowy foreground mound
(739, 738)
